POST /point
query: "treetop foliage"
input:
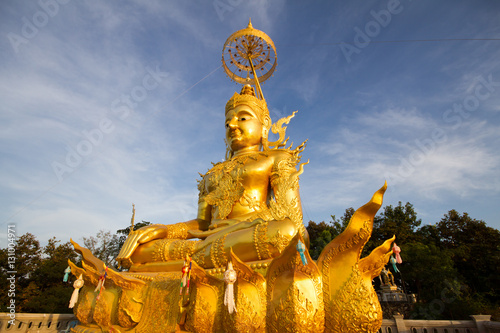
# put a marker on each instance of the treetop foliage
(453, 263)
(40, 270)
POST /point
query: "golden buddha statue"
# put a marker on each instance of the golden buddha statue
(249, 219)
(249, 203)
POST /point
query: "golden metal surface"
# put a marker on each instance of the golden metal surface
(249, 214)
(351, 304)
(294, 293)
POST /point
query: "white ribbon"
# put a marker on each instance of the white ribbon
(74, 297)
(230, 278)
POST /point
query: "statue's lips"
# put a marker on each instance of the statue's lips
(236, 134)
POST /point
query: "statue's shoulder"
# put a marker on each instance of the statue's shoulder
(216, 166)
(293, 155)
(279, 154)
(205, 176)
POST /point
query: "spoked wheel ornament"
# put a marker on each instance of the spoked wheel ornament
(249, 57)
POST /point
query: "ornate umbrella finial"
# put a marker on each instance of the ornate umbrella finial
(249, 51)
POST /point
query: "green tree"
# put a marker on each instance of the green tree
(451, 265)
(28, 255)
(320, 240)
(51, 294)
(427, 270)
(320, 234)
(475, 249)
(105, 246)
(400, 220)
(39, 286)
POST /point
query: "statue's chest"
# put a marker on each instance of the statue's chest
(241, 171)
(226, 182)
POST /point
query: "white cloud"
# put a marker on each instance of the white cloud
(465, 164)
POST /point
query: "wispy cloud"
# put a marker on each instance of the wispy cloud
(363, 119)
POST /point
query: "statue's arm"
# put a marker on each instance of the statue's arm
(286, 205)
(180, 230)
(185, 230)
(285, 185)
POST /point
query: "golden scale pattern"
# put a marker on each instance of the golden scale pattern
(295, 313)
(205, 308)
(83, 309)
(260, 241)
(331, 318)
(285, 179)
(103, 311)
(292, 311)
(130, 307)
(225, 177)
(250, 294)
(164, 289)
(248, 319)
(355, 307)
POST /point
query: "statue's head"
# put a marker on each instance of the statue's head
(247, 120)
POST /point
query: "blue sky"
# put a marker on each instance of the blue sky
(105, 104)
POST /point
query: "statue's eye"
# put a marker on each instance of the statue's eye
(243, 118)
(227, 125)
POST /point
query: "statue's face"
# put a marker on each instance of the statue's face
(243, 128)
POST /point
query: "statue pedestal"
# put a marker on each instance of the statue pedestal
(389, 288)
(275, 295)
(290, 293)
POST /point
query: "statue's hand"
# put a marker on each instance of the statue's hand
(215, 227)
(138, 237)
(217, 224)
(224, 227)
(196, 233)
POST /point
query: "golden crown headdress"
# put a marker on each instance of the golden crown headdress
(247, 97)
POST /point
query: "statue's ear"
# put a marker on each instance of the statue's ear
(266, 122)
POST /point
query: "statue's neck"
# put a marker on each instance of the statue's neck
(247, 150)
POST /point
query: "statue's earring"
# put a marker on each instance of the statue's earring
(229, 152)
(265, 142)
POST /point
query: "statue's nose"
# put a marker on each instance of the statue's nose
(233, 123)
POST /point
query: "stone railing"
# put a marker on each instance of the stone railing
(479, 324)
(40, 323)
(36, 322)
